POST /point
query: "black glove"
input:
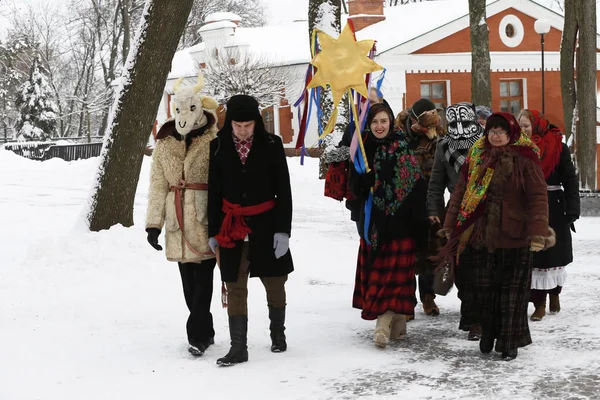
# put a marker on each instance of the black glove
(571, 218)
(367, 181)
(153, 234)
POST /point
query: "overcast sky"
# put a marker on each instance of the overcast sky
(281, 11)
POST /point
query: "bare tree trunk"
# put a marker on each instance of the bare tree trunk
(567, 65)
(481, 86)
(315, 20)
(133, 113)
(586, 95)
(125, 9)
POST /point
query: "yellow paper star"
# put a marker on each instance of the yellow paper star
(343, 63)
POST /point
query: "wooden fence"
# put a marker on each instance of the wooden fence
(46, 151)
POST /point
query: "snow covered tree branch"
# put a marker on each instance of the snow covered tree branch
(233, 72)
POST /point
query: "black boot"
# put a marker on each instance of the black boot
(511, 354)
(238, 330)
(198, 349)
(277, 317)
(486, 343)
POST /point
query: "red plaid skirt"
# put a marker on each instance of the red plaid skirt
(385, 279)
(336, 181)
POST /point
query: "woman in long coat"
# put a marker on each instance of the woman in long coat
(549, 274)
(500, 204)
(390, 229)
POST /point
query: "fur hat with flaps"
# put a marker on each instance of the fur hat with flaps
(428, 121)
(190, 108)
(243, 108)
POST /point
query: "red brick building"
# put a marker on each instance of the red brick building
(426, 48)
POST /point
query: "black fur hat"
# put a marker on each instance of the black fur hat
(243, 108)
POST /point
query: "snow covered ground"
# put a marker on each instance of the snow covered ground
(102, 316)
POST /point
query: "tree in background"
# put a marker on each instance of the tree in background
(234, 72)
(252, 13)
(326, 16)
(37, 109)
(133, 112)
(481, 86)
(14, 70)
(579, 97)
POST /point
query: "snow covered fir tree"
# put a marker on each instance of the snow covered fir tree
(37, 109)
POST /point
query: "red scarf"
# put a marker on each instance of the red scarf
(548, 139)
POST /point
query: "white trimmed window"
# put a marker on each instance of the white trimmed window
(436, 91)
(511, 96)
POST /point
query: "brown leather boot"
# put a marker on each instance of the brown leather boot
(540, 312)
(429, 305)
(475, 332)
(554, 303)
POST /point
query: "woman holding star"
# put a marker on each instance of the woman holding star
(385, 276)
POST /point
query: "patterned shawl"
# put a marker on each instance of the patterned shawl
(479, 174)
(396, 173)
(548, 139)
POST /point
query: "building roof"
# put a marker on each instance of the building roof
(417, 25)
(403, 23)
(182, 65)
(286, 44)
(217, 25)
(406, 29)
(222, 16)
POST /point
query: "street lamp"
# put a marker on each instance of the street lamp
(542, 27)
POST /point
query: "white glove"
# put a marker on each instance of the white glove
(281, 244)
(212, 242)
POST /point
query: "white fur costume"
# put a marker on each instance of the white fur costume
(172, 163)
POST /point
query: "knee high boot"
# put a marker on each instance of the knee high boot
(277, 327)
(238, 330)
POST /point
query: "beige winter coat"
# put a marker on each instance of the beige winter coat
(171, 163)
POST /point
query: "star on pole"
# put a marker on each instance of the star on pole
(343, 63)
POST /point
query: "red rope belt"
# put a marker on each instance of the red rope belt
(234, 227)
(179, 200)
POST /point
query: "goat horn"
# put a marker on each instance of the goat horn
(177, 84)
(199, 84)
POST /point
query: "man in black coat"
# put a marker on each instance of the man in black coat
(250, 219)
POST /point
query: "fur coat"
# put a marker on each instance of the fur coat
(174, 160)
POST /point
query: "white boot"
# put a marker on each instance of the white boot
(398, 327)
(382, 329)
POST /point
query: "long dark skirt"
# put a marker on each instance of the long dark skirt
(505, 280)
(471, 291)
(385, 279)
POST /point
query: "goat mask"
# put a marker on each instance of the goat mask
(188, 106)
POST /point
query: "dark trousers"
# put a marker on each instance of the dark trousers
(237, 292)
(539, 296)
(197, 281)
(426, 285)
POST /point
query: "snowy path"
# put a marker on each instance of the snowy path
(101, 315)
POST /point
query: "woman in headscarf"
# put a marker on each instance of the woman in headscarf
(549, 274)
(500, 204)
(392, 222)
(452, 150)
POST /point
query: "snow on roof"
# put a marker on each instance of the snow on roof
(222, 16)
(182, 65)
(281, 44)
(409, 21)
(217, 25)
